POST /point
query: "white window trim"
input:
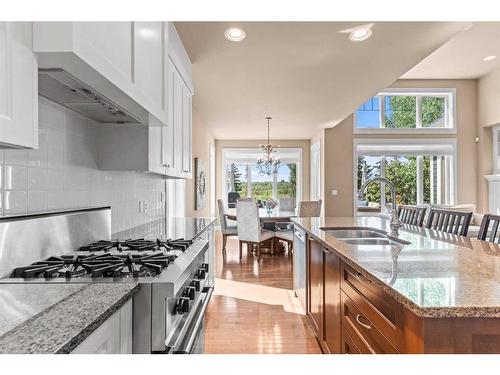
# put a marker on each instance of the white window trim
(450, 115)
(450, 194)
(298, 161)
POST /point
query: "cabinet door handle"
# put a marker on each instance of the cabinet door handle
(358, 319)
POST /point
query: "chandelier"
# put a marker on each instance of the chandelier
(269, 162)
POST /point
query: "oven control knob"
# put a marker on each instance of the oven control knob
(205, 266)
(183, 305)
(190, 292)
(201, 273)
(196, 284)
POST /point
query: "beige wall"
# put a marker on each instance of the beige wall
(201, 149)
(339, 148)
(488, 95)
(305, 145)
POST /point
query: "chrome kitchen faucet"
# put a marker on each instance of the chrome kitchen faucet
(395, 224)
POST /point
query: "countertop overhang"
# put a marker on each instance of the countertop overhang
(438, 275)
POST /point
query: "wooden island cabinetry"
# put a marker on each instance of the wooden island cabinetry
(350, 313)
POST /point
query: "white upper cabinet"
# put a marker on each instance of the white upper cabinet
(18, 86)
(148, 61)
(186, 131)
(169, 145)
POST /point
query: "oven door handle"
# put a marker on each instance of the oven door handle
(199, 321)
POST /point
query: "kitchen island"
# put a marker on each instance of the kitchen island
(424, 292)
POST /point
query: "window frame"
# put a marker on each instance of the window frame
(450, 192)
(450, 112)
(249, 150)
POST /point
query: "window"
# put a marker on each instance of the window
(421, 170)
(243, 177)
(406, 110)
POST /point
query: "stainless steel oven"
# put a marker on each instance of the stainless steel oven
(189, 335)
(169, 308)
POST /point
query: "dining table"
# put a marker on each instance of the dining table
(275, 215)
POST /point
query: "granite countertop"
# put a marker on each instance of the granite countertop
(55, 318)
(436, 275)
(172, 228)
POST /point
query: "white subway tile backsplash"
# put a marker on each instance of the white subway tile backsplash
(16, 157)
(15, 202)
(63, 174)
(15, 177)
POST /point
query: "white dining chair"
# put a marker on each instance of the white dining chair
(287, 203)
(309, 209)
(249, 229)
(227, 229)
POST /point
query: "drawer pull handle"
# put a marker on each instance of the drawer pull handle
(358, 319)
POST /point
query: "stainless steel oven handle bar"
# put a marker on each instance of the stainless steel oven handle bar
(199, 321)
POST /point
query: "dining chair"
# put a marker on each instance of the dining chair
(232, 198)
(287, 203)
(309, 209)
(227, 230)
(249, 230)
(413, 215)
(489, 229)
(455, 222)
(245, 199)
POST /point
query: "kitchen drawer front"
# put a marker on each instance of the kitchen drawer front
(362, 330)
(351, 347)
(375, 304)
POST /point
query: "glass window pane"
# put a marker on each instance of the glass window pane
(287, 180)
(368, 115)
(402, 172)
(237, 179)
(400, 112)
(262, 186)
(433, 110)
(369, 167)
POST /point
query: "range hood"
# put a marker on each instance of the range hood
(65, 89)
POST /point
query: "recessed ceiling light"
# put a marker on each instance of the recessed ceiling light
(360, 34)
(489, 58)
(235, 34)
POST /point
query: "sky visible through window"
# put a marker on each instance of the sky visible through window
(283, 173)
(368, 115)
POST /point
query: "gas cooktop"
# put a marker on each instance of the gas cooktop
(117, 259)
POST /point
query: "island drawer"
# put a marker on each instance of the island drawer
(351, 347)
(362, 331)
(374, 304)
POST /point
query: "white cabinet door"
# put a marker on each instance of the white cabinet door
(114, 336)
(155, 145)
(186, 131)
(18, 86)
(148, 61)
(177, 112)
(169, 143)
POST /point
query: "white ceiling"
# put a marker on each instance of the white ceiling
(462, 56)
(306, 75)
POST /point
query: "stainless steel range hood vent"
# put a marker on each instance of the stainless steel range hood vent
(63, 88)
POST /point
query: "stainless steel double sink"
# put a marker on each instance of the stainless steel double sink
(364, 236)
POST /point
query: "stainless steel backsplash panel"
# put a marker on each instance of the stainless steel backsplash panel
(27, 239)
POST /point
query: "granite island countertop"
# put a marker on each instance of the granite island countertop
(56, 318)
(436, 275)
(172, 228)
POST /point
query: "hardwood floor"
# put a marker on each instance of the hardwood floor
(253, 309)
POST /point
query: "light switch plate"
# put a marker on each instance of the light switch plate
(335, 192)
